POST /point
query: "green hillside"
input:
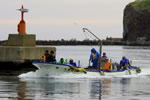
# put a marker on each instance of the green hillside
(141, 4)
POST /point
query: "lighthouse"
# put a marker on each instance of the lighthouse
(22, 24)
(20, 49)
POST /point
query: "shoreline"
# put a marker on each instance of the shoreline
(87, 42)
(105, 42)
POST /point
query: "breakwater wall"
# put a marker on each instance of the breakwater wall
(77, 42)
(15, 60)
(105, 42)
(16, 68)
(69, 42)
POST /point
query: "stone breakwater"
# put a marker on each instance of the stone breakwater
(105, 42)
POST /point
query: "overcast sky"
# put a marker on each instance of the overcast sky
(64, 19)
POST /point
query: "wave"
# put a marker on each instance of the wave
(44, 74)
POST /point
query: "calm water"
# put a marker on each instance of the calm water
(78, 87)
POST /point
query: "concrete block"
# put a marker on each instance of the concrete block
(22, 54)
(21, 40)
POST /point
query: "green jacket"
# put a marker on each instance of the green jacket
(59, 62)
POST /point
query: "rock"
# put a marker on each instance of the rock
(136, 21)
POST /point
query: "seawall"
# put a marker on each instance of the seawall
(105, 42)
(16, 59)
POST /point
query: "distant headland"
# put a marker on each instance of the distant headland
(136, 22)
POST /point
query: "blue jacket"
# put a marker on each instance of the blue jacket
(97, 54)
(94, 61)
(73, 64)
(123, 62)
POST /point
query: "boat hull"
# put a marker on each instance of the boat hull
(53, 68)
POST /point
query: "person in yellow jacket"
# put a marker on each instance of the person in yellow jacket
(45, 56)
(108, 66)
(48, 57)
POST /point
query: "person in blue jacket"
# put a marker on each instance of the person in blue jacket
(124, 62)
(94, 57)
(71, 62)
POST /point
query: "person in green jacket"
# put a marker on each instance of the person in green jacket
(61, 61)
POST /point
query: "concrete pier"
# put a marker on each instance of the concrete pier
(18, 53)
(21, 40)
(20, 50)
(22, 54)
(15, 60)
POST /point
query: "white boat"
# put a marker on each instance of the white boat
(54, 68)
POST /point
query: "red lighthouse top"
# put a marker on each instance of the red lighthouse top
(22, 24)
(23, 10)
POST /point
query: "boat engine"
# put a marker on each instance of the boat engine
(138, 69)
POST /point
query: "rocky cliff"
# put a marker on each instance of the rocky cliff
(136, 21)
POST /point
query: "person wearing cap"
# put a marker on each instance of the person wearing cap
(124, 62)
(108, 66)
(94, 57)
(71, 62)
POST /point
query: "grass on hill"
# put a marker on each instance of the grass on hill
(140, 5)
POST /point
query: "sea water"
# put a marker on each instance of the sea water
(37, 86)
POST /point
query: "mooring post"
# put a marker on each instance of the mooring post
(100, 52)
(78, 63)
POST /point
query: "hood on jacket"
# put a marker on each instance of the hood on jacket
(93, 49)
